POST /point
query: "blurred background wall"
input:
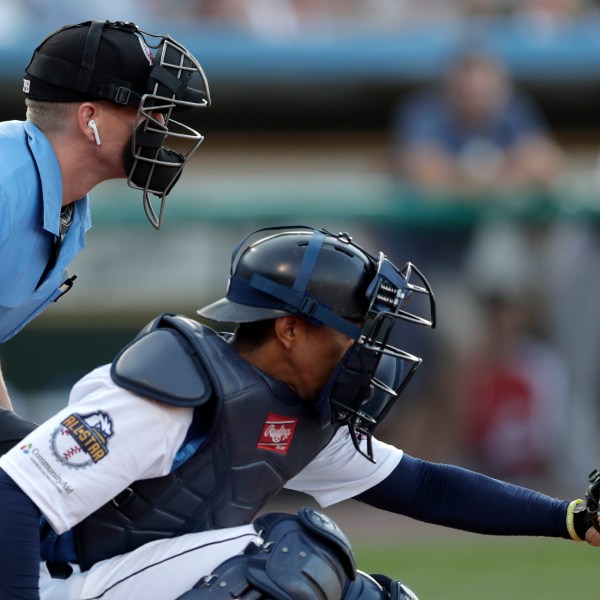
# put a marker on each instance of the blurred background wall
(345, 114)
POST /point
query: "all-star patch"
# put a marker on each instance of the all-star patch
(82, 440)
(277, 433)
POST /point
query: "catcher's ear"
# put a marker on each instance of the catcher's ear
(286, 329)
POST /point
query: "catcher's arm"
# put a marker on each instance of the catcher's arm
(582, 515)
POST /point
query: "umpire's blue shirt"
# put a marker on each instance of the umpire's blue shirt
(30, 205)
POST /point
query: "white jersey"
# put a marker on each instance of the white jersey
(339, 472)
(107, 438)
(128, 437)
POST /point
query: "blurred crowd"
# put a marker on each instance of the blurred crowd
(285, 17)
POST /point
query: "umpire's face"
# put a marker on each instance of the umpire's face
(311, 354)
(115, 125)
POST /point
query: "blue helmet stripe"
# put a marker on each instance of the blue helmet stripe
(309, 260)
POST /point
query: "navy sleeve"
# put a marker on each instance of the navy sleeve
(20, 547)
(455, 497)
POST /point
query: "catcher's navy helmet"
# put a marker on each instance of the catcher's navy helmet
(298, 270)
(112, 61)
(329, 280)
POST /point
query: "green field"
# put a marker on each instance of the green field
(488, 568)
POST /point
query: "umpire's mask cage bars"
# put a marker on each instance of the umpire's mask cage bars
(155, 168)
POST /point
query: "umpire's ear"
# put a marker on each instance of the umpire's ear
(13, 429)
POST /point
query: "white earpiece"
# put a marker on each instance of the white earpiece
(92, 125)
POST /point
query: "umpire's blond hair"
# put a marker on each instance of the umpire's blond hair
(50, 117)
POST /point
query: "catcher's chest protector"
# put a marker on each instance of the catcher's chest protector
(259, 439)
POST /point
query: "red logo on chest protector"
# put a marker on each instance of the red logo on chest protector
(277, 433)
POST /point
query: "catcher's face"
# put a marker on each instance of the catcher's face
(314, 355)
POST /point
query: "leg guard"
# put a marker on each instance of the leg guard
(376, 587)
(300, 558)
(12, 429)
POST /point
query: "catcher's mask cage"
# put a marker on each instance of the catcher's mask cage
(373, 373)
(168, 87)
(374, 293)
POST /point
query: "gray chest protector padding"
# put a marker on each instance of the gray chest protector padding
(258, 436)
(161, 365)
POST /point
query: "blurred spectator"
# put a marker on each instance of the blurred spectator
(53, 15)
(515, 400)
(275, 19)
(283, 18)
(571, 276)
(545, 18)
(512, 382)
(14, 18)
(473, 138)
(497, 395)
(475, 134)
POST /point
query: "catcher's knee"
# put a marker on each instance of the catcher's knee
(304, 557)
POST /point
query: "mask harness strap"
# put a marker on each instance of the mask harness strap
(309, 260)
(88, 59)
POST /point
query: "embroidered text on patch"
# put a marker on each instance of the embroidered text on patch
(82, 440)
(277, 433)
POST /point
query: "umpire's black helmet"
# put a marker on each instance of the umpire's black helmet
(105, 60)
(297, 270)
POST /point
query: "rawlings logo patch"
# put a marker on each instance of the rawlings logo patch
(82, 440)
(277, 433)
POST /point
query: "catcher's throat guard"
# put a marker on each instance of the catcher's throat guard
(373, 373)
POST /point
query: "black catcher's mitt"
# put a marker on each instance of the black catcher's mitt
(585, 513)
